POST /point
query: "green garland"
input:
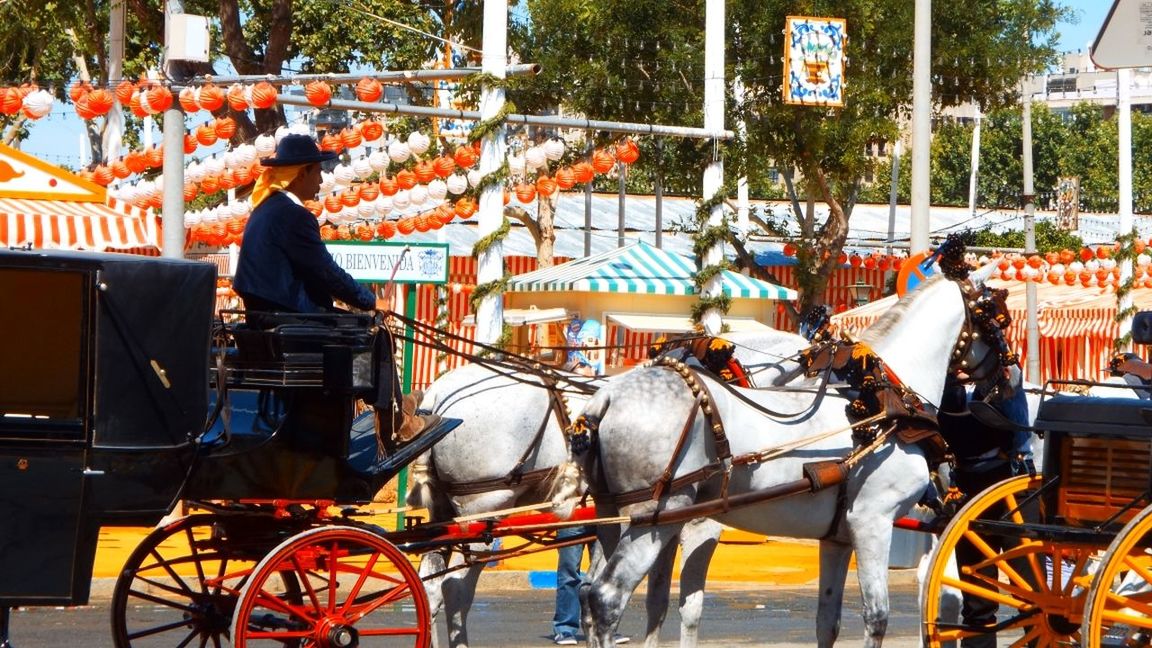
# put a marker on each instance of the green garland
(496, 178)
(485, 289)
(1127, 252)
(441, 324)
(481, 246)
(486, 127)
(704, 239)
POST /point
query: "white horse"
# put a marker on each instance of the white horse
(510, 422)
(641, 416)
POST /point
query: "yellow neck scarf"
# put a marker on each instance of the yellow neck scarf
(273, 179)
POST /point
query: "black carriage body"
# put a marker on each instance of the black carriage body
(103, 388)
(1100, 452)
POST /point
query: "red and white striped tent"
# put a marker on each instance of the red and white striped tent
(45, 206)
(1077, 325)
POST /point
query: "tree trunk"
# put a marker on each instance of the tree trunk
(546, 243)
(823, 259)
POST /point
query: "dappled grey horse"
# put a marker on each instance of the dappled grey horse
(511, 426)
(640, 418)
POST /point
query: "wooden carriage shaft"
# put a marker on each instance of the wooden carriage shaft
(530, 120)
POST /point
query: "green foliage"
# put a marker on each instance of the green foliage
(1049, 238)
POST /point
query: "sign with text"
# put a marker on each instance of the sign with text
(373, 262)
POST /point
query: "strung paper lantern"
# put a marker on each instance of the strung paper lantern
(424, 171)
(456, 184)
(331, 143)
(405, 226)
(242, 176)
(318, 93)
(1017, 262)
(159, 99)
(137, 106)
(135, 162)
(79, 89)
(437, 189)
(190, 144)
(627, 151)
(602, 161)
(361, 168)
(371, 130)
(386, 229)
(83, 110)
(120, 170)
(369, 90)
(464, 157)
(101, 101)
(343, 175)
(378, 160)
(516, 165)
(1103, 252)
(422, 224)
(350, 198)
(189, 103)
(102, 175)
(154, 157)
(351, 137)
(870, 262)
(388, 186)
(333, 204)
(583, 172)
(553, 149)
(525, 193)
(227, 181)
(124, 92)
(225, 127)
(11, 102)
(565, 178)
(545, 186)
(474, 178)
(405, 179)
(418, 142)
(264, 95)
(190, 191)
(465, 207)
(369, 192)
(534, 158)
(418, 194)
(399, 152)
(443, 166)
(210, 184)
(401, 200)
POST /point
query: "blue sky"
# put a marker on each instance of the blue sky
(57, 138)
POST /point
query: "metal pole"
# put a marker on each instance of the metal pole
(742, 202)
(659, 191)
(588, 204)
(114, 122)
(173, 219)
(528, 120)
(713, 120)
(1124, 123)
(620, 169)
(972, 180)
(490, 311)
(523, 69)
(892, 204)
(921, 124)
(1033, 329)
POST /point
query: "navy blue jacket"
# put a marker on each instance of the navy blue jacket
(284, 262)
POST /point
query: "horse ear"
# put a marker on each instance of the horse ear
(978, 277)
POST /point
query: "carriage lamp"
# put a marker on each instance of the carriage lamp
(861, 291)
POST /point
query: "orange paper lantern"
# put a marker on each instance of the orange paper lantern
(333, 203)
(154, 157)
(188, 102)
(135, 162)
(405, 179)
(190, 143)
(264, 95)
(369, 90)
(371, 130)
(388, 186)
(424, 172)
(81, 106)
(545, 186)
(443, 166)
(159, 99)
(565, 178)
(627, 151)
(369, 192)
(331, 143)
(211, 97)
(386, 229)
(124, 92)
(78, 90)
(583, 171)
(406, 226)
(602, 161)
(190, 191)
(225, 127)
(101, 101)
(350, 137)
(318, 93)
(465, 157)
(350, 198)
(525, 192)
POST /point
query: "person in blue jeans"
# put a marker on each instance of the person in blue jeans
(566, 619)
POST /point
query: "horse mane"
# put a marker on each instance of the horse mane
(884, 324)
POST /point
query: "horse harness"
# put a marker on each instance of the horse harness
(558, 408)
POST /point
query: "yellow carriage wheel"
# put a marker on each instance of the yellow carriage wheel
(1119, 607)
(1038, 585)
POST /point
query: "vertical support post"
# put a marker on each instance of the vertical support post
(173, 219)
(892, 191)
(1124, 124)
(621, 169)
(921, 125)
(1033, 328)
(406, 377)
(588, 205)
(659, 191)
(975, 174)
(114, 123)
(743, 204)
(490, 311)
(714, 121)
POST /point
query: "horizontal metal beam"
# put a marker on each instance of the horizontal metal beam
(531, 120)
(524, 69)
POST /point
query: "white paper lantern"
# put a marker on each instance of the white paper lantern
(383, 204)
(361, 168)
(1108, 263)
(1058, 268)
(213, 166)
(1027, 272)
(1092, 265)
(349, 214)
(37, 104)
(534, 158)
(516, 164)
(1143, 259)
(211, 216)
(366, 209)
(281, 132)
(1076, 267)
(399, 151)
(401, 200)
(194, 172)
(418, 142)
(265, 145)
(343, 175)
(239, 208)
(192, 218)
(437, 189)
(474, 177)
(299, 129)
(378, 160)
(554, 149)
(230, 160)
(327, 182)
(245, 155)
(418, 194)
(456, 184)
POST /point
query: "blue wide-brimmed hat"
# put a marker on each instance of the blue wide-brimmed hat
(297, 149)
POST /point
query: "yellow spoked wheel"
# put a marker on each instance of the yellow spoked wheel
(1119, 607)
(1032, 590)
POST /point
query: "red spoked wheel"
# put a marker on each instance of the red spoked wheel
(357, 589)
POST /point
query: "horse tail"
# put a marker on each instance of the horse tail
(566, 489)
(422, 484)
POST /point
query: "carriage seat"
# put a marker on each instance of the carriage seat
(1095, 416)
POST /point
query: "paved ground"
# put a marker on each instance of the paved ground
(775, 617)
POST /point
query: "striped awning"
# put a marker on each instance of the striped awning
(61, 224)
(638, 268)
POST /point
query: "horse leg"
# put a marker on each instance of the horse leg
(430, 563)
(459, 592)
(659, 590)
(607, 537)
(834, 559)
(698, 540)
(873, 540)
(625, 568)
